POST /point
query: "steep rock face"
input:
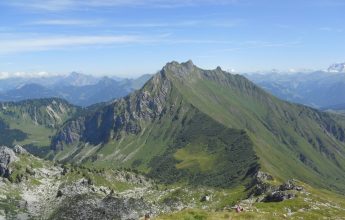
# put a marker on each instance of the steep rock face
(124, 115)
(69, 134)
(7, 156)
(332, 127)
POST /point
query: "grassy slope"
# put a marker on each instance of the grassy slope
(205, 152)
(280, 131)
(313, 204)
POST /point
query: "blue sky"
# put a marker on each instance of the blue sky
(133, 37)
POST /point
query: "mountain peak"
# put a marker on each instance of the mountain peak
(80, 79)
(75, 74)
(188, 64)
(219, 68)
(180, 68)
(337, 68)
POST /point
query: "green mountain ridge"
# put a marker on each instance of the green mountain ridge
(207, 127)
(150, 123)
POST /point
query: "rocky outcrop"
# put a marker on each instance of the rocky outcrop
(19, 150)
(278, 196)
(265, 191)
(7, 156)
(262, 176)
(260, 184)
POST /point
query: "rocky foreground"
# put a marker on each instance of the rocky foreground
(32, 188)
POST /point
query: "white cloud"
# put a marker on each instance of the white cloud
(37, 44)
(159, 24)
(6, 75)
(67, 22)
(187, 23)
(331, 29)
(12, 44)
(56, 5)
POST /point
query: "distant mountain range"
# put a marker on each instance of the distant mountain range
(320, 89)
(79, 89)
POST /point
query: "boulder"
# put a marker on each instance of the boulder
(30, 171)
(278, 196)
(262, 188)
(59, 194)
(205, 198)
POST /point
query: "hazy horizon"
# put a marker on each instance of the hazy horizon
(44, 74)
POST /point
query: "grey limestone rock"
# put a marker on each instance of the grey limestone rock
(7, 156)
